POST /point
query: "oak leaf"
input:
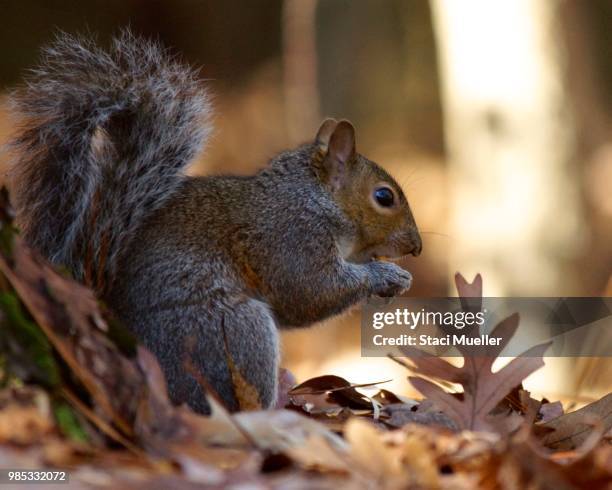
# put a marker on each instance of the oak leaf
(572, 429)
(482, 389)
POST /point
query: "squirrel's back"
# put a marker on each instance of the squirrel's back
(102, 142)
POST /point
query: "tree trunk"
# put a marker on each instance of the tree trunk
(515, 209)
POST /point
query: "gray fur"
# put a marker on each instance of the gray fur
(188, 279)
(103, 140)
(201, 268)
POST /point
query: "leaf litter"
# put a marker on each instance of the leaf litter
(73, 397)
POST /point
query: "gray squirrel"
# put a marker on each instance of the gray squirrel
(205, 268)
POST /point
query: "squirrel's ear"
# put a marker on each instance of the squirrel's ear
(341, 145)
(325, 131)
(336, 158)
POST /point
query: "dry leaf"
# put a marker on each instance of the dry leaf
(369, 450)
(69, 315)
(570, 430)
(25, 416)
(483, 389)
(400, 459)
(332, 396)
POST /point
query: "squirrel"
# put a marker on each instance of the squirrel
(201, 268)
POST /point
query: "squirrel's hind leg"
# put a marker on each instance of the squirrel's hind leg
(233, 344)
(251, 343)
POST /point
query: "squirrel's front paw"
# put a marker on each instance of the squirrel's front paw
(388, 279)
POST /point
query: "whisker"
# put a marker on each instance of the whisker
(434, 233)
(404, 181)
(408, 185)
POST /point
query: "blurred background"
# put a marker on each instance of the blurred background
(495, 116)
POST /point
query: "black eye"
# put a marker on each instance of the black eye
(384, 197)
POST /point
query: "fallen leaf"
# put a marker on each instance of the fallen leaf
(550, 411)
(328, 383)
(400, 414)
(394, 459)
(483, 389)
(70, 318)
(570, 430)
(25, 415)
(330, 395)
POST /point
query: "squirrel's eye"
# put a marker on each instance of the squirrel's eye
(384, 197)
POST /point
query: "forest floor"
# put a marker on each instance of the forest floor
(81, 399)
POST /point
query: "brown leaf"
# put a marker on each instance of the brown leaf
(572, 429)
(320, 384)
(329, 394)
(328, 383)
(318, 403)
(181, 434)
(550, 411)
(68, 314)
(399, 461)
(401, 414)
(279, 430)
(25, 415)
(470, 294)
(158, 423)
(483, 389)
(317, 453)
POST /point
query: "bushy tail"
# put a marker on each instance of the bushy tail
(102, 140)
